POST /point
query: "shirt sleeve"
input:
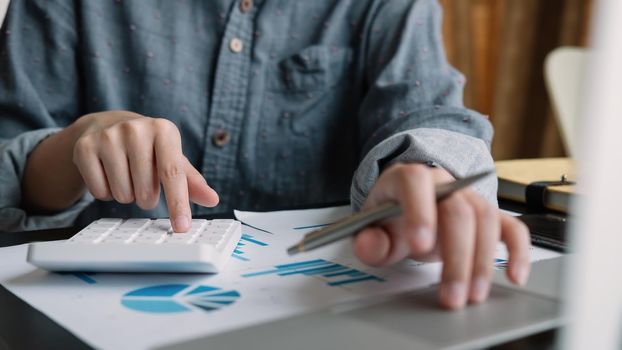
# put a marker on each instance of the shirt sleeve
(413, 110)
(13, 155)
(39, 94)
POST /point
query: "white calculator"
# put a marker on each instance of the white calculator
(141, 245)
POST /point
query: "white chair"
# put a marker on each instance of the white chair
(563, 72)
(4, 4)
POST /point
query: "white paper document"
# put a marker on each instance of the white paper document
(260, 283)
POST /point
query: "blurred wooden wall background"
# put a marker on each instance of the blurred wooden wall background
(500, 46)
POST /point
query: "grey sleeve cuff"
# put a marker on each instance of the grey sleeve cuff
(461, 155)
(13, 156)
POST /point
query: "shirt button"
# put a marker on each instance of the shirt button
(221, 138)
(235, 45)
(246, 5)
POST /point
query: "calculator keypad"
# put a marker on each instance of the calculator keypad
(158, 231)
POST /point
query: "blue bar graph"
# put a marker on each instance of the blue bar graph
(353, 280)
(287, 267)
(311, 226)
(332, 273)
(351, 273)
(85, 277)
(245, 240)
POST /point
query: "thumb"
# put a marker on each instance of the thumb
(199, 191)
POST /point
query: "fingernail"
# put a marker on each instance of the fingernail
(453, 294)
(481, 287)
(181, 222)
(521, 273)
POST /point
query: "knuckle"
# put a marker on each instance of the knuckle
(83, 146)
(165, 126)
(518, 227)
(177, 205)
(482, 266)
(486, 211)
(85, 143)
(131, 128)
(149, 164)
(107, 137)
(411, 171)
(414, 221)
(143, 161)
(171, 171)
(517, 237)
(146, 200)
(456, 207)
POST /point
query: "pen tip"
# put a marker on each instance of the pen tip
(293, 250)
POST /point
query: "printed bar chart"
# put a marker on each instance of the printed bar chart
(332, 273)
(86, 277)
(246, 239)
(310, 226)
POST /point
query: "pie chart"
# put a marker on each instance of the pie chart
(175, 298)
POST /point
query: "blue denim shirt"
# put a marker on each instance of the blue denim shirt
(283, 103)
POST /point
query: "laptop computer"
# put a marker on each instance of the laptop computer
(412, 320)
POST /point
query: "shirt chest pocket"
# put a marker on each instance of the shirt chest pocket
(303, 114)
(315, 68)
(305, 91)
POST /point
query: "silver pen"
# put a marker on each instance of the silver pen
(352, 224)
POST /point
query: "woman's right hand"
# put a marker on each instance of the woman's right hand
(124, 156)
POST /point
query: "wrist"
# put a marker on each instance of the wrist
(62, 185)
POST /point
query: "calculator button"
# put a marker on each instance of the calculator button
(211, 231)
(107, 221)
(127, 231)
(175, 237)
(94, 231)
(198, 222)
(135, 224)
(161, 224)
(152, 231)
(119, 235)
(149, 238)
(196, 226)
(178, 239)
(191, 232)
(115, 239)
(207, 240)
(84, 238)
